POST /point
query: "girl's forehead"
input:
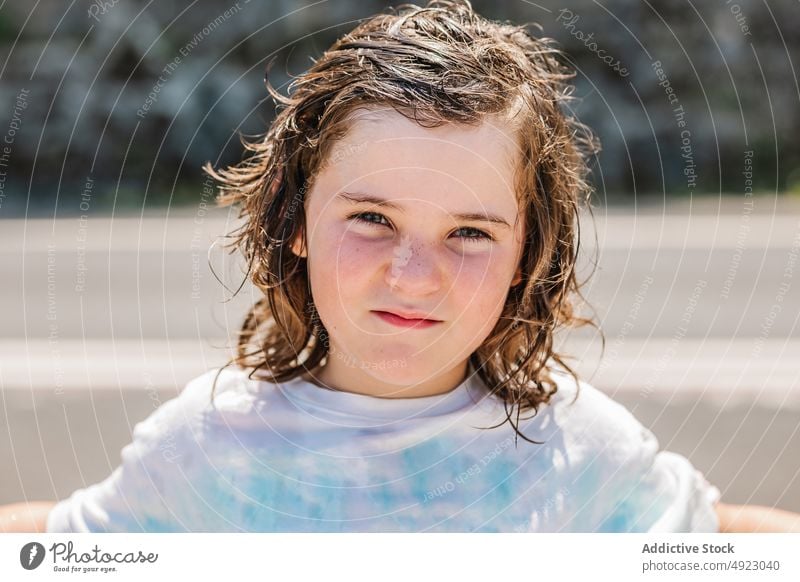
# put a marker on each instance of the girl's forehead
(384, 150)
(493, 138)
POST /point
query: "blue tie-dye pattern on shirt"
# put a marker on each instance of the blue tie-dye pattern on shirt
(259, 459)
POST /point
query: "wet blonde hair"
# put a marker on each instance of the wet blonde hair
(437, 64)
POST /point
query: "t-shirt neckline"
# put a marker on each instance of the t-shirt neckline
(469, 392)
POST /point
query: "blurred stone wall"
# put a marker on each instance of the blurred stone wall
(132, 97)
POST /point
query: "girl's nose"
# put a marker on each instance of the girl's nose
(414, 269)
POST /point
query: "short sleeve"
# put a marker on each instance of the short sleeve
(660, 492)
(618, 479)
(138, 495)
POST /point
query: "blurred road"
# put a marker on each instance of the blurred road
(699, 308)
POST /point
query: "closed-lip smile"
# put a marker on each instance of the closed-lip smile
(408, 314)
(406, 319)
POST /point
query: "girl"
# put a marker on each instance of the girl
(411, 218)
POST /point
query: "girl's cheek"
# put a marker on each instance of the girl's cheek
(355, 255)
(479, 284)
(479, 271)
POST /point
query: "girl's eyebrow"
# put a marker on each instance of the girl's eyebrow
(357, 198)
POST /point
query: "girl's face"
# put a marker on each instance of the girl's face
(414, 221)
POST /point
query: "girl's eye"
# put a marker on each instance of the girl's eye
(360, 218)
(374, 219)
(479, 235)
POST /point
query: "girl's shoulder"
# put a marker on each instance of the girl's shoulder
(593, 422)
(614, 476)
(228, 396)
(218, 397)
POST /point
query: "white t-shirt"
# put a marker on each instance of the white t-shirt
(295, 457)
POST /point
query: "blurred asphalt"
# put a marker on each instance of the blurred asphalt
(699, 308)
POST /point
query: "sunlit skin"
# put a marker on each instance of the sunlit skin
(416, 257)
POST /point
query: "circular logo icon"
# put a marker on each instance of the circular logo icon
(31, 555)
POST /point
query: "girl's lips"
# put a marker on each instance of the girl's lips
(398, 321)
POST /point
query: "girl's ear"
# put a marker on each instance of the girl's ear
(299, 246)
(517, 277)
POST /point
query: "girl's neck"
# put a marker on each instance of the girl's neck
(315, 377)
